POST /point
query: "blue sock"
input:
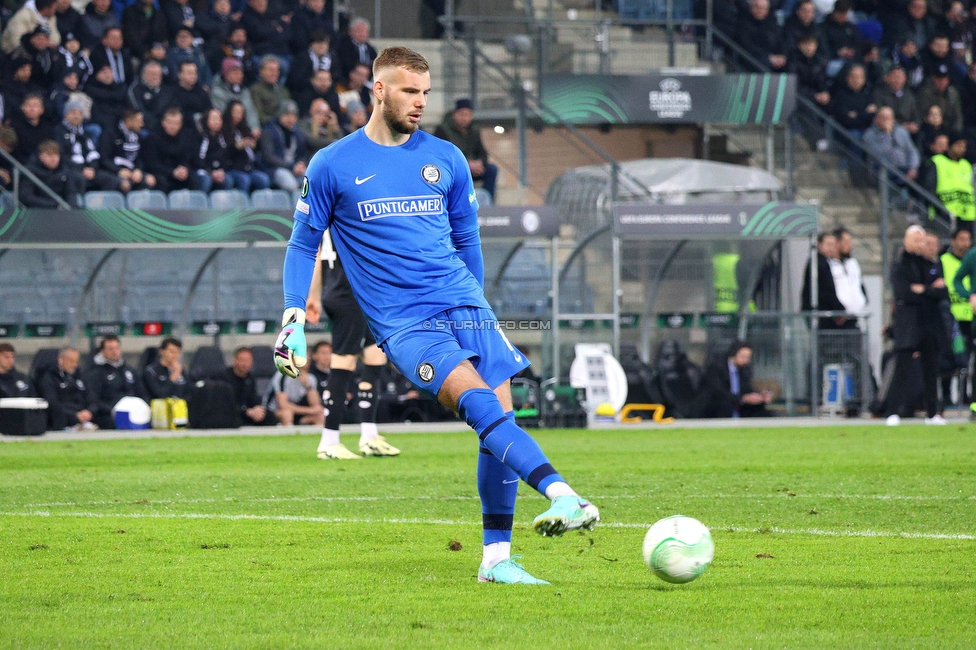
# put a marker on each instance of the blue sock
(498, 488)
(483, 412)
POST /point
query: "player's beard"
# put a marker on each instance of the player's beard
(398, 123)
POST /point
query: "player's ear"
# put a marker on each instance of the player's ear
(378, 89)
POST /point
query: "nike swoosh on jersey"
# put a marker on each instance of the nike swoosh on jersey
(504, 482)
(361, 181)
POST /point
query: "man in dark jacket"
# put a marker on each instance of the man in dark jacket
(760, 35)
(79, 153)
(918, 326)
(245, 388)
(13, 383)
(313, 16)
(284, 149)
(827, 299)
(49, 168)
(188, 94)
(108, 381)
(142, 25)
(150, 95)
(111, 53)
(456, 128)
(267, 33)
(120, 152)
(64, 391)
(852, 105)
(31, 125)
(165, 377)
(353, 48)
(727, 390)
(841, 38)
(169, 154)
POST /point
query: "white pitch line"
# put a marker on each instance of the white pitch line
(618, 497)
(817, 532)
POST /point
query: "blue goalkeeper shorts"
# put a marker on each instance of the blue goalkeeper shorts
(427, 352)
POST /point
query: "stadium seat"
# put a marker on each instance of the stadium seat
(104, 201)
(229, 200)
(484, 198)
(147, 200)
(272, 200)
(188, 200)
(207, 363)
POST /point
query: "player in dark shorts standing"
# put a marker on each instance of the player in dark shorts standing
(351, 338)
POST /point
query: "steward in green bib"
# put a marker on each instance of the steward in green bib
(953, 183)
(959, 284)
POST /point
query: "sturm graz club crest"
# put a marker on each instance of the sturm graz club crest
(305, 187)
(430, 173)
(426, 372)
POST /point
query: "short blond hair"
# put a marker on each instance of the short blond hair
(400, 57)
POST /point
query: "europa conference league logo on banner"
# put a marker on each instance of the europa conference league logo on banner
(670, 99)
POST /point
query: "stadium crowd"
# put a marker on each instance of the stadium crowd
(176, 94)
(899, 75)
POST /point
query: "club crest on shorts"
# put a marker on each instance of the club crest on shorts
(426, 372)
(305, 187)
(430, 173)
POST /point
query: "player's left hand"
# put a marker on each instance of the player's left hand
(290, 352)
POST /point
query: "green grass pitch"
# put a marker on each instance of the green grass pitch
(825, 537)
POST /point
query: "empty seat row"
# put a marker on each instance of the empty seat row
(190, 200)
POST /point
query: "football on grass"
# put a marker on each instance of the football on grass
(678, 549)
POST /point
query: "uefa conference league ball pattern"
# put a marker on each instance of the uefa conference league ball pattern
(678, 549)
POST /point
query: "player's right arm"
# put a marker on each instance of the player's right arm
(313, 304)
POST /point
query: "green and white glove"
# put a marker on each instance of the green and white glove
(290, 352)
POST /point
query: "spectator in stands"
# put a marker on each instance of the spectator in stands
(267, 94)
(71, 24)
(809, 65)
(915, 25)
(760, 35)
(892, 143)
(727, 390)
(188, 93)
(296, 400)
(852, 105)
(120, 150)
(870, 58)
(841, 38)
(932, 127)
(110, 98)
(8, 142)
(355, 89)
(32, 127)
(901, 100)
(142, 25)
(108, 381)
(312, 21)
(939, 91)
(79, 152)
(214, 27)
(320, 367)
(267, 32)
(802, 23)
(165, 377)
(907, 57)
(46, 63)
(283, 148)
(245, 388)
(937, 54)
(184, 50)
(64, 390)
(157, 54)
(13, 383)
(16, 86)
(62, 93)
(353, 48)
(75, 59)
(357, 116)
(230, 86)
(150, 95)
(59, 177)
(27, 18)
(110, 52)
(827, 300)
(317, 57)
(319, 88)
(321, 127)
(960, 32)
(99, 17)
(962, 311)
(169, 153)
(848, 281)
(950, 177)
(237, 47)
(457, 128)
(918, 326)
(213, 153)
(179, 15)
(243, 150)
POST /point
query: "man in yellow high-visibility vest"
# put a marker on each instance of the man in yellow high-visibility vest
(950, 178)
(962, 311)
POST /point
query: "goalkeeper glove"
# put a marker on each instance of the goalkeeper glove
(290, 352)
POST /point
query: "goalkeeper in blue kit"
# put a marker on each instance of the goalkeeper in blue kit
(402, 214)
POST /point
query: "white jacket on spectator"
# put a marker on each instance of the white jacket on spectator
(847, 284)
